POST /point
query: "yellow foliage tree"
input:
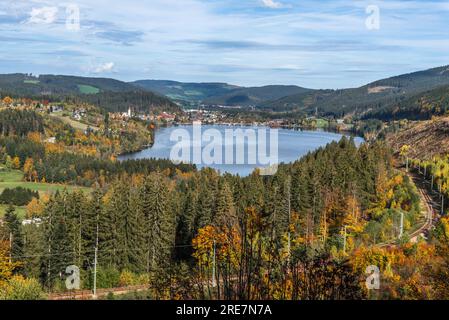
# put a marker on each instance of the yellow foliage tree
(7, 101)
(28, 169)
(35, 208)
(16, 163)
(34, 136)
(6, 266)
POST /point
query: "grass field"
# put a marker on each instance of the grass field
(321, 123)
(21, 211)
(84, 89)
(13, 178)
(31, 81)
(75, 124)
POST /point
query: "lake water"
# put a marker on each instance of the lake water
(292, 145)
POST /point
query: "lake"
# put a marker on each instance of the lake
(292, 145)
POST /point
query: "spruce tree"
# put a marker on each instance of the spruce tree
(14, 229)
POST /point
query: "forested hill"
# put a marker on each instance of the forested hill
(377, 99)
(110, 94)
(192, 92)
(256, 95)
(219, 93)
(396, 97)
(378, 95)
(422, 106)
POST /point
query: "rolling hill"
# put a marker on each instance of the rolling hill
(58, 84)
(254, 96)
(109, 94)
(190, 92)
(378, 99)
(396, 97)
(218, 93)
(380, 94)
(421, 106)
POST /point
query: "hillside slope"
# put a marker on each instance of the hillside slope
(219, 93)
(181, 91)
(421, 106)
(108, 94)
(426, 138)
(256, 95)
(22, 84)
(377, 95)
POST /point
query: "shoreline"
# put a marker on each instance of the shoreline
(299, 129)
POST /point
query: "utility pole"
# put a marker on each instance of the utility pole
(401, 228)
(442, 204)
(95, 265)
(10, 247)
(289, 217)
(213, 268)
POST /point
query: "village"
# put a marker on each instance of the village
(87, 117)
(83, 113)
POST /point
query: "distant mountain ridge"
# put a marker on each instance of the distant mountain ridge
(368, 99)
(106, 93)
(184, 91)
(371, 97)
(387, 98)
(256, 95)
(60, 84)
(218, 93)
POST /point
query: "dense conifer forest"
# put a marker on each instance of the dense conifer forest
(308, 232)
(276, 237)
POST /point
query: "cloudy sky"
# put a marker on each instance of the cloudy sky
(316, 44)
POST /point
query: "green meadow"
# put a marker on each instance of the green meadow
(14, 178)
(85, 89)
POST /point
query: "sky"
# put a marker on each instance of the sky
(310, 43)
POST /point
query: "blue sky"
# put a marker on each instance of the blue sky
(311, 43)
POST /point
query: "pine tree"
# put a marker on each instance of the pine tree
(114, 228)
(136, 234)
(34, 248)
(93, 212)
(160, 222)
(59, 252)
(225, 214)
(14, 229)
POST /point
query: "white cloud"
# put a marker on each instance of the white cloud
(105, 67)
(170, 33)
(272, 4)
(44, 15)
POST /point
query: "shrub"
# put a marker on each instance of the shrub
(18, 196)
(19, 288)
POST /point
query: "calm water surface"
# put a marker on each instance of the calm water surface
(293, 145)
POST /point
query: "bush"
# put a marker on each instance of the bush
(18, 196)
(107, 278)
(128, 278)
(19, 288)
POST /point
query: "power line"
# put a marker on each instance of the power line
(100, 251)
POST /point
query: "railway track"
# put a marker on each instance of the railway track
(431, 215)
(101, 293)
